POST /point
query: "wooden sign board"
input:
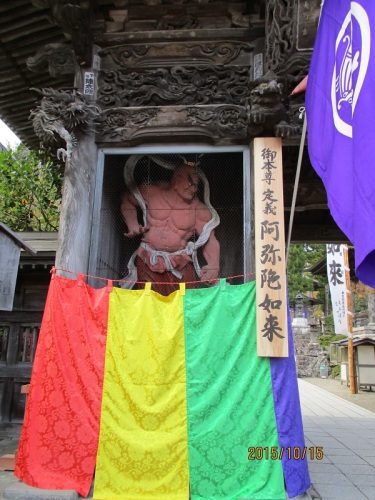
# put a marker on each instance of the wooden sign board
(270, 268)
(9, 260)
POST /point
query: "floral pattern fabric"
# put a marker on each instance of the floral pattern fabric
(177, 388)
(59, 437)
(229, 398)
(143, 433)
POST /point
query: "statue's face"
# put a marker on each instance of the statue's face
(185, 183)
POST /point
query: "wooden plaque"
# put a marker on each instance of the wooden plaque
(9, 260)
(272, 329)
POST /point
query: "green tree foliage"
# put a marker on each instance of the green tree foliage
(301, 258)
(329, 326)
(327, 339)
(361, 295)
(30, 190)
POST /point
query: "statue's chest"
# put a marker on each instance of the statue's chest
(183, 218)
(176, 218)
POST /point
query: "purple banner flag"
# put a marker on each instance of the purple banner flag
(340, 111)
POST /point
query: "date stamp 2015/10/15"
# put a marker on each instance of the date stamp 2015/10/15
(289, 452)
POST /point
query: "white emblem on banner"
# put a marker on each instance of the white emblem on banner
(350, 68)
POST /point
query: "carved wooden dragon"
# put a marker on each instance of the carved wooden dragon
(60, 115)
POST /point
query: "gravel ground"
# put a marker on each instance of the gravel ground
(365, 399)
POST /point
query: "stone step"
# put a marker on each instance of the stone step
(22, 491)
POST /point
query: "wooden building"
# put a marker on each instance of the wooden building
(105, 80)
(19, 327)
(162, 72)
(364, 354)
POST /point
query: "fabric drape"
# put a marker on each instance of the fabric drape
(143, 434)
(229, 394)
(59, 438)
(340, 105)
(289, 421)
(177, 388)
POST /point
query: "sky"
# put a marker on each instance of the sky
(7, 137)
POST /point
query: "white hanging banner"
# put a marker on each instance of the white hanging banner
(338, 286)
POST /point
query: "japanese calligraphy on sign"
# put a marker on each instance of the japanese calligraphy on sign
(272, 333)
(337, 286)
(89, 83)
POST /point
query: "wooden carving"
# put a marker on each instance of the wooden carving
(187, 53)
(269, 108)
(229, 121)
(280, 32)
(215, 122)
(119, 123)
(290, 33)
(177, 85)
(74, 18)
(58, 117)
(169, 22)
(58, 57)
(295, 68)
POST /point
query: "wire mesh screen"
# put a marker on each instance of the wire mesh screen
(202, 208)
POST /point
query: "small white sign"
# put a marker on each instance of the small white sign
(89, 83)
(258, 65)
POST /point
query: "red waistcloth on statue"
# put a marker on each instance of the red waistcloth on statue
(170, 281)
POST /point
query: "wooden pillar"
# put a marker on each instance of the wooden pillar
(78, 193)
(351, 363)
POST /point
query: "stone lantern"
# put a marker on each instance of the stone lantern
(299, 319)
(298, 306)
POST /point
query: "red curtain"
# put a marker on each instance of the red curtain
(59, 438)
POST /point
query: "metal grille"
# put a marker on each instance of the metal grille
(224, 173)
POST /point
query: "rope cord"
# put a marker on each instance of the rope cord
(55, 269)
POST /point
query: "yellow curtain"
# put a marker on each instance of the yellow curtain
(142, 450)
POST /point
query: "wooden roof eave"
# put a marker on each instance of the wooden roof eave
(19, 241)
